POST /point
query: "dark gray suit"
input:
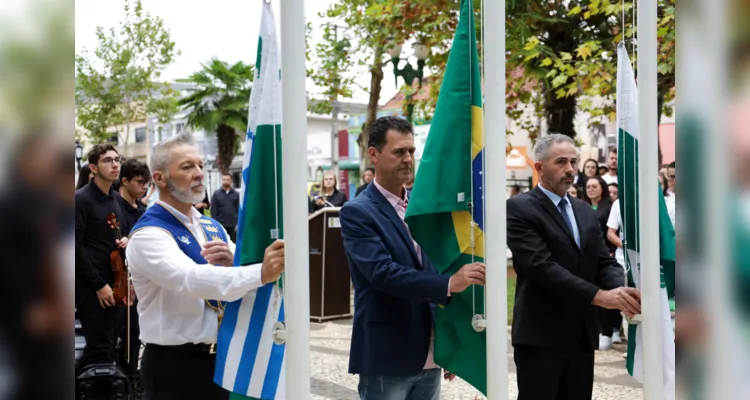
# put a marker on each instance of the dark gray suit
(555, 330)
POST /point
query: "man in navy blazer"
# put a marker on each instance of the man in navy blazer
(395, 285)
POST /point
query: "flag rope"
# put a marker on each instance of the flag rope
(278, 293)
(481, 77)
(477, 319)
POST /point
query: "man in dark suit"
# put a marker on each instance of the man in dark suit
(564, 272)
(395, 284)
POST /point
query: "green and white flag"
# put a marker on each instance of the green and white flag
(628, 134)
(249, 363)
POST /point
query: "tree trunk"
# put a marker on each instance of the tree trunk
(560, 113)
(665, 85)
(376, 80)
(127, 138)
(225, 137)
(660, 103)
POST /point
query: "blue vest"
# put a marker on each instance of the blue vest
(159, 217)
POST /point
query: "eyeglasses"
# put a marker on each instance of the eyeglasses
(110, 160)
(142, 182)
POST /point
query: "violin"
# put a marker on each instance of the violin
(122, 288)
(119, 266)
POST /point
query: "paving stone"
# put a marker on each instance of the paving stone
(329, 351)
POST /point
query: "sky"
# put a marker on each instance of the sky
(227, 29)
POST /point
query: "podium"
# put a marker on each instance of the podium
(330, 283)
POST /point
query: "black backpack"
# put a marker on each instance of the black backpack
(103, 382)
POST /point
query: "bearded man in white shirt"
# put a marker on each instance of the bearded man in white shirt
(178, 262)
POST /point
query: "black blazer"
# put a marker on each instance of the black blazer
(556, 281)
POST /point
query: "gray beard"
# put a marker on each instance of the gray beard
(186, 196)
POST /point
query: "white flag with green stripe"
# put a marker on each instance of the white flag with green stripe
(627, 128)
(248, 361)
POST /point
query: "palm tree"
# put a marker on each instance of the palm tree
(219, 102)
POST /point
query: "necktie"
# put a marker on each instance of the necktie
(561, 206)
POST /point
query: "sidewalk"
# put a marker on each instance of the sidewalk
(329, 351)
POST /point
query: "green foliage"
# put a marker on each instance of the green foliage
(568, 49)
(219, 100)
(333, 69)
(119, 83)
(511, 285)
(372, 27)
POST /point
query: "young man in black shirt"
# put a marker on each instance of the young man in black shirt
(225, 205)
(134, 181)
(94, 241)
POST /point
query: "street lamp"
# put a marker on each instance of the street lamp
(408, 73)
(79, 154)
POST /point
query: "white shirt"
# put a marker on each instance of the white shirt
(615, 222)
(568, 210)
(609, 179)
(669, 199)
(172, 288)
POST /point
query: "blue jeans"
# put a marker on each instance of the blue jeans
(423, 386)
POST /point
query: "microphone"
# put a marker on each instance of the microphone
(325, 200)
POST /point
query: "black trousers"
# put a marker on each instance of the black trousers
(179, 372)
(231, 232)
(609, 321)
(131, 368)
(101, 327)
(547, 374)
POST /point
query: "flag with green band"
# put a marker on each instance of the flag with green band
(628, 134)
(446, 207)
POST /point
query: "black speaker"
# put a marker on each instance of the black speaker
(103, 382)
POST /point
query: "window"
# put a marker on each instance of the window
(140, 135)
(114, 138)
(166, 131)
(611, 141)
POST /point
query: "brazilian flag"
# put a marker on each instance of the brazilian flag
(446, 208)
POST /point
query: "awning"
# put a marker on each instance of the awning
(344, 164)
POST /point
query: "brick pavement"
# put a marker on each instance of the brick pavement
(329, 350)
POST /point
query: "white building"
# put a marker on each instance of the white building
(143, 136)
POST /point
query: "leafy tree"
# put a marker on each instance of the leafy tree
(559, 51)
(219, 100)
(333, 66)
(120, 84)
(373, 27)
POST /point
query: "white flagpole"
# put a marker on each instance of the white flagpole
(294, 170)
(493, 14)
(648, 169)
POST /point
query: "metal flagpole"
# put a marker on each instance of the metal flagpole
(648, 219)
(294, 172)
(493, 14)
